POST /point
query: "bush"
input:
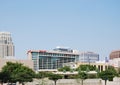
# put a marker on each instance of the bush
(92, 76)
(72, 76)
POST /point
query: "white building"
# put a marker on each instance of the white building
(115, 62)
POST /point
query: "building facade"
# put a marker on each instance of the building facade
(88, 57)
(52, 60)
(6, 45)
(115, 54)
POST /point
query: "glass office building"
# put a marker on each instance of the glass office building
(88, 57)
(51, 60)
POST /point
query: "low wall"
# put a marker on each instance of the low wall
(116, 81)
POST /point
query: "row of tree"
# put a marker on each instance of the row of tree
(83, 70)
(16, 72)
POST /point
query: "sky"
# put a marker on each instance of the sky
(84, 25)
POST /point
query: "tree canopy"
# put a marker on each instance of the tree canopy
(108, 74)
(4, 77)
(17, 72)
(55, 77)
(86, 68)
(82, 76)
(40, 75)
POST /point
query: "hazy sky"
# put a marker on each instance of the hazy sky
(85, 25)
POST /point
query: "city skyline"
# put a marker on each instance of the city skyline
(85, 25)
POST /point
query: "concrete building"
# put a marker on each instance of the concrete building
(6, 45)
(52, 60)
(115, 54)
(88, 57)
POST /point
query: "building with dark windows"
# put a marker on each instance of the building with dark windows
(6, 45)
(52, 60)
(115, 54)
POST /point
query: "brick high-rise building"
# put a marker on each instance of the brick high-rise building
(6, 45)
(115, 54)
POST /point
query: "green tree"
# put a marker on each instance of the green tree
(55, 77)
(4, 77)
(18, 72)
(108, 74)
(24, 75)
(112, 69)
(82, 76)
(86, 67)
(41, 75)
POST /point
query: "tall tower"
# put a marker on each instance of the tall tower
(6, 45)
